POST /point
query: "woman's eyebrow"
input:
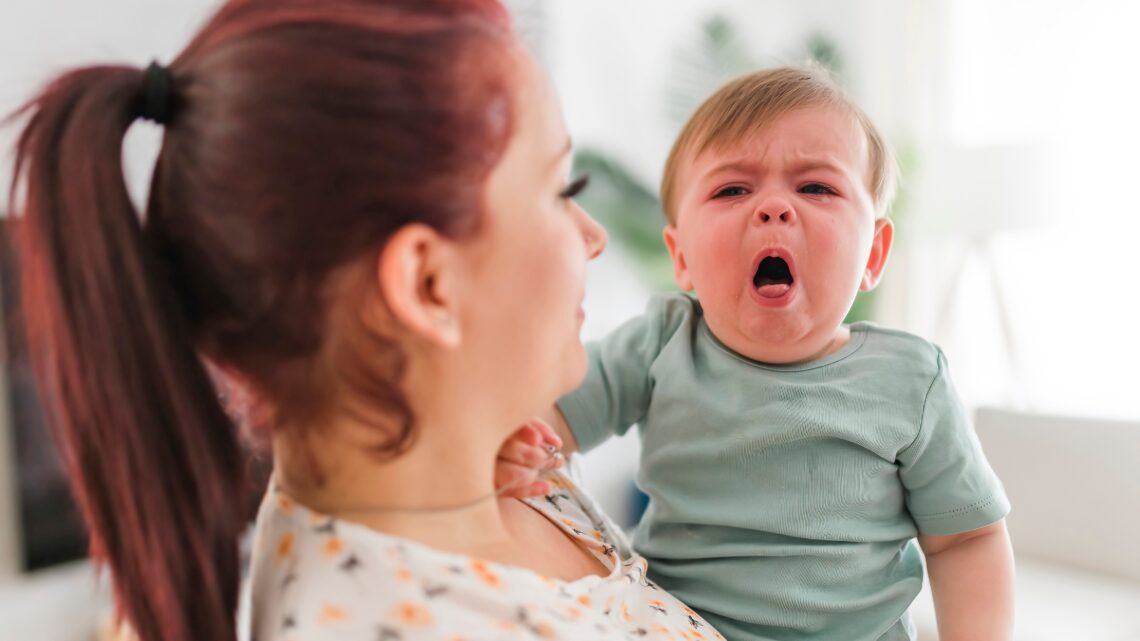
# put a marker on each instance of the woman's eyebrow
(566, 148)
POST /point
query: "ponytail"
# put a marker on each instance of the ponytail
(154, 463)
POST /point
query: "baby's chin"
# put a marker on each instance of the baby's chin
(779, 339)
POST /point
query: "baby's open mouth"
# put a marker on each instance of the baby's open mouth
(773, 279)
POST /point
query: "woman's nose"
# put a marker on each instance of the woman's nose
(594, 234)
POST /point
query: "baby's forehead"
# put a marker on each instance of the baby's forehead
(802, 137)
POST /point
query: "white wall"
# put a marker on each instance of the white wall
(42, 38)
(611, 60)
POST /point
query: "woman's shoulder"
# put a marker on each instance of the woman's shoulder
(315, 578)
(627, 601)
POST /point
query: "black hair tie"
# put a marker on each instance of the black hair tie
(157, 97)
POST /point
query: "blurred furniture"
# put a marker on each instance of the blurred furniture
(1075, 524)
(63, 603)
(978, 193)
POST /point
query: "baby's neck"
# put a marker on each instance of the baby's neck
(798, 354)
(838, 341)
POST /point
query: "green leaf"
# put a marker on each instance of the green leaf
(629, 211)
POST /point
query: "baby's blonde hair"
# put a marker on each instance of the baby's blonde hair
(756, 100)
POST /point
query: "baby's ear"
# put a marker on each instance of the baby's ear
(680, 270)
(880, 251)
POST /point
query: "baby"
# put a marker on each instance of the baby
(795, 465)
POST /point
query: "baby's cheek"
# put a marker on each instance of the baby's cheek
(719, 241)
(838, 242)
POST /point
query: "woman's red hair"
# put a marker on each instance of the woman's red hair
(303, 134)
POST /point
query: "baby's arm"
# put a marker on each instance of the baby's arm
(971, 576)
(614, 395)
(959, 507)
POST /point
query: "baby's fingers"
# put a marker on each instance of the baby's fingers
(519, 481)
(546, 432)
(521, 453)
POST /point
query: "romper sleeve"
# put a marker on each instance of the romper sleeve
(950, 487)
(616, 391)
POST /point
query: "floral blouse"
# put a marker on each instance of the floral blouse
(316, 578)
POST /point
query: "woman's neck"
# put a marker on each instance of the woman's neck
(440, 492)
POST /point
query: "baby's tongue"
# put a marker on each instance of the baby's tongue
(774, 290)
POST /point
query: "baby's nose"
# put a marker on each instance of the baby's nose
(775, 211)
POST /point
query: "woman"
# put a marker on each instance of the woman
(360, 218)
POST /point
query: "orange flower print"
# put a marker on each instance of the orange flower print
(331, 614)
(333, 547)
(491, 579)
(404, 574)
(412, 615)
(662, 631)
(285, 504)
(560, 483)
(597, 535)
(285, 546)
(625, 614)
(573, 613)
(485, 574)
(584, 600)
(544, 631)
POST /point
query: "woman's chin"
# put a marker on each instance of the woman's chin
(573, 370)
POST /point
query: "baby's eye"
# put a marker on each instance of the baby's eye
(817, 189)
(729, 192)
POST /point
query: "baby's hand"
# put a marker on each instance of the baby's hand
(530, 451)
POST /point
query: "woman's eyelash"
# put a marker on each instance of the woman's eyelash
(576, 187)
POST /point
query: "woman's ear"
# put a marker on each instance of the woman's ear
(880, 251)
(417, 273)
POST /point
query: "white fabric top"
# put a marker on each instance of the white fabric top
(316, 578)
